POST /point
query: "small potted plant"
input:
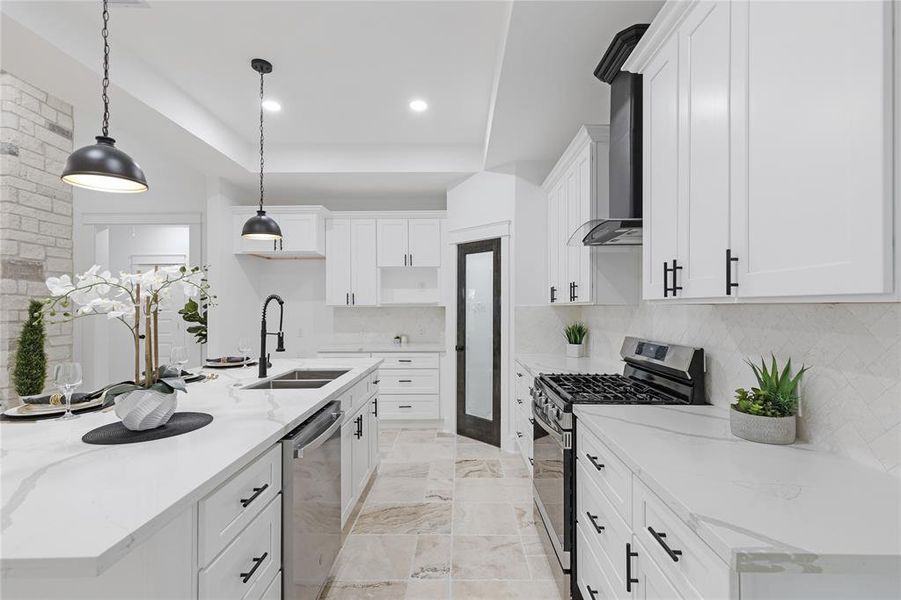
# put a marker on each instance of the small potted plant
(31, 359)
(575, 339)
(768, 413)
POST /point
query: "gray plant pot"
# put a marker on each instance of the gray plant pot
(765, 430)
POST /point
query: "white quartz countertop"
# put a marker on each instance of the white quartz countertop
(384, 347)
(761, 508)
(70, 509)
(555, 363)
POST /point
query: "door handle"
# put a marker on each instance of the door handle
(347, 298)
(245, 502)
(405, 260)
(594, 522)
(245, 577)
(729, 260)
(553, 294)
(375, 407)
(629, 555)
(411, 259)
(352, 299)
(459, 348)
(661, 539)
(594, 461)
(404, 381)
(665, 279)
(676, 268)
(575, 291)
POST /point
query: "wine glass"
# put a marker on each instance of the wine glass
(178, 356)
(67, 377)
(244, 348)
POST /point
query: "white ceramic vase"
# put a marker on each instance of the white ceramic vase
(145, 409)
(575, 350)
(764, 430)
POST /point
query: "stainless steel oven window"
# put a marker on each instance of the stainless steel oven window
(549, 483)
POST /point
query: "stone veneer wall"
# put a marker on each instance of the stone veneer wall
(851, 398)
(35, 214)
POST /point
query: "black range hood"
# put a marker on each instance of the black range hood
(622, 225)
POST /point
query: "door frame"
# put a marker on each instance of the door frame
(485, 431)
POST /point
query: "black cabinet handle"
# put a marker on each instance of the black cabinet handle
(591, 592)
(518, 434)
(629, 555)
(531, 421)
(661, 539)
(459, 348)
(405, 406)
(359, 432)
(376, 381)
(245, 577)
(347, 298)
(375, 407)
(405, 360)
(553, 294)
(531, 461)
(404, 381)
(519, 400)
(245, 502)
(676, 268)
(405, 260)
(411, 259)
(594, 522)
(594, 461)
(518, 374)
(575, 291)
(665, 279)
(729, 260)
(274, 245)
(353, 299)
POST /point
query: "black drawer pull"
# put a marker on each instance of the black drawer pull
(593, 519)
(404, 381)
(375, 407)
(531, 421)
(245, 577)
(376, 381)
(405, 406)
(518, 434)
(591, 592)
(245, 502)
(661, 539)
(594, 460)
(405, 360)
(729, 260)
(519, 400)
(629, 579)
(531, 461)
(518, 374)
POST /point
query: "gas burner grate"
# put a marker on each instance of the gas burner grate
(606, 389)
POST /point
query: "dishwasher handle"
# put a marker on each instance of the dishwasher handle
(322, 437)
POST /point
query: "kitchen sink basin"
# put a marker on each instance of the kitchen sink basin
(298, 379)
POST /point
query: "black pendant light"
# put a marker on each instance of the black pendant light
(102, 166)
(261, 226)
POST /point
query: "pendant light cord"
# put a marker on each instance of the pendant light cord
(105, 33)
(261, 140)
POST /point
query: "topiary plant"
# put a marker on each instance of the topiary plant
(776, 394)
(575, 332)
(30, 370)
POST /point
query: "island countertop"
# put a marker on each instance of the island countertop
(761, 508)
(72, 509)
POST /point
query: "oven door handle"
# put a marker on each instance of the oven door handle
(558, 437)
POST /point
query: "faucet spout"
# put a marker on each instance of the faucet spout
(264, 333)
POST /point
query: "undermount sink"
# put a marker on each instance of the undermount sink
(298, 379)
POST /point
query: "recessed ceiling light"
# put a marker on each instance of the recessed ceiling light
(272, 105)
(418, 105)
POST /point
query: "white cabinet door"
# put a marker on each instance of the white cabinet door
(338, 262)
(392, 242)
(364, 274)
(424, 242)
(812, 209)
(301, 234)
(582, 212)
(704, 50)
(652, 584)
(661, 175)
(554, 278)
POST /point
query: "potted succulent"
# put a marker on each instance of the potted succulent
(134, 299)
(575, 339)
(768, 413)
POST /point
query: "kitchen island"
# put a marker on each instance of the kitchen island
(71, 512)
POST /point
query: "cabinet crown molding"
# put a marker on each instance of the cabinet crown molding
(587, 134)
(664, 24)
(282, 209)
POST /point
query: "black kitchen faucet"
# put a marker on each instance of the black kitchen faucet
(264, 356)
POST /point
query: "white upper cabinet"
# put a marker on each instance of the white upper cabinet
(351, 277)
(303, 232)
(767, 141)
(556, 211)
(409, 242)
(338, 263)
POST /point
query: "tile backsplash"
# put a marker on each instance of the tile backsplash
(851, 397)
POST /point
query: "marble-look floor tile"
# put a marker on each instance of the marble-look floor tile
(435, 450)
(412, 470)
(504, 590)
(478, 468)
(424, 589)
(416, 517)
(387, 438)
(484, 518)
(514, 467)
(493, 490)
(540, 567)
(488, 557)
(396, 489)
(533, 546)
(477, 450)
(375, 557)
(432, 559)
(527, 518)
(365, 590)
(446, 434)
(442, 469)
(439, 490)
(416, 436)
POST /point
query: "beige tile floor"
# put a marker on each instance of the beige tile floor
(446, 517)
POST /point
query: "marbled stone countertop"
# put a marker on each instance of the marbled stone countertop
(70, 509)
(555, 363)
(385, 347)
(761, 508)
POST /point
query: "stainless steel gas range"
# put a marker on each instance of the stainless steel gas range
(654, 373)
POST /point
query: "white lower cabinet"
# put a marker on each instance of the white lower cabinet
(649, 582)
(359, 453)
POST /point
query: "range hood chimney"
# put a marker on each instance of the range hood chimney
(622, 226)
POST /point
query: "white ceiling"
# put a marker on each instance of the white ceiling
(505, 81)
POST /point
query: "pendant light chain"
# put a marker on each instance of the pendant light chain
(105, 33)
(261, 141)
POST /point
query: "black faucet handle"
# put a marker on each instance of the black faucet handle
(280, 347)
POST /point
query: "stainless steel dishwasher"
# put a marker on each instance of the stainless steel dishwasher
(311, 509)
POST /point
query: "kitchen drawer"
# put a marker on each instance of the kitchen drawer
(697, 572)
(259, 544)
(651, 583)
(521, 372)
(407, 360)
(372, 382)
(593, 574)
(398, 381)
(408, 406)
(609, 543)
(359, 394)
(231, 506)
(610, 474)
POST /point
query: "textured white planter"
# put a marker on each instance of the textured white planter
(575, 350)
(145, 409)
(765, 430)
